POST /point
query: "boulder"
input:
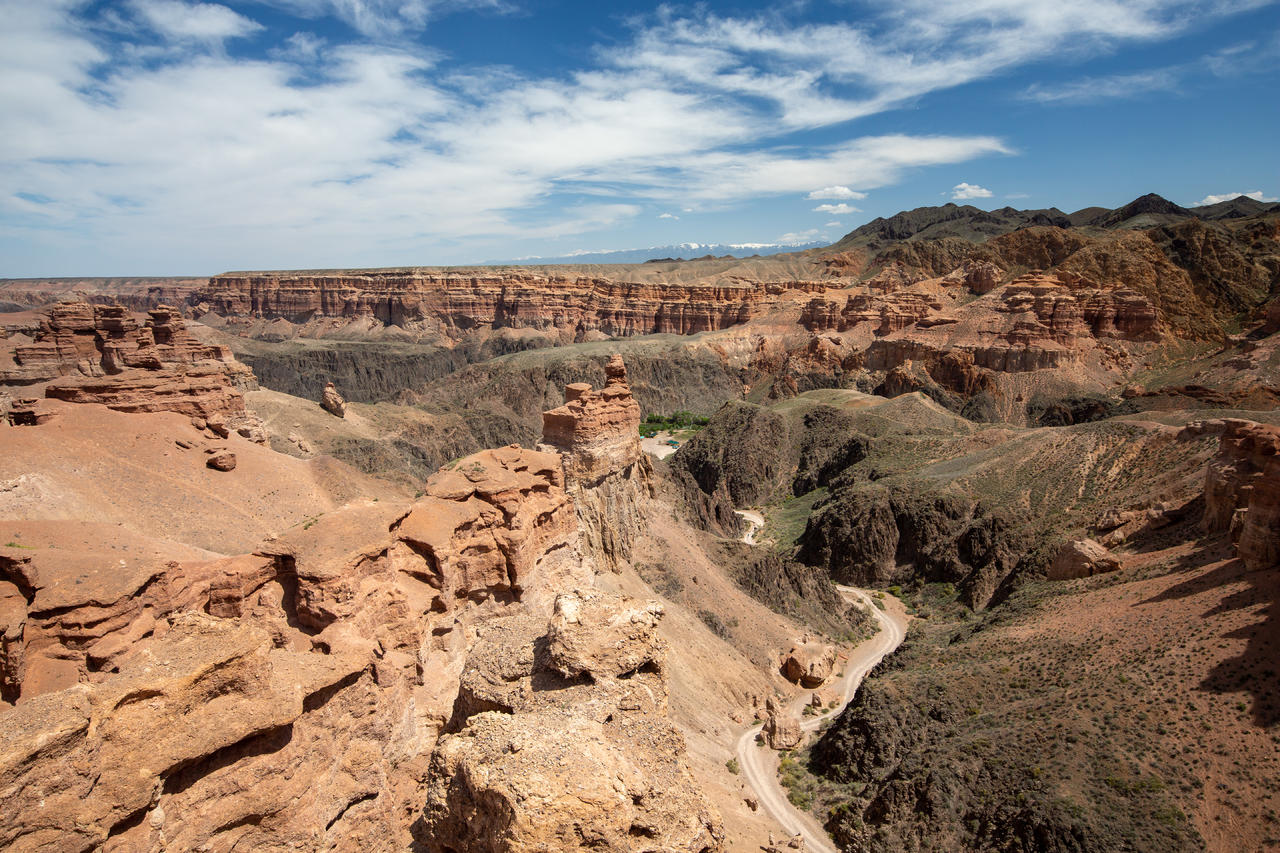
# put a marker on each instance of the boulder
(1081, 559)
(331, 401)
(604, 636)
(222, 461)
(781, 727)
(809, 662)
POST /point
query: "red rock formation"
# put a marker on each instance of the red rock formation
(1242, 487)
(976, 276)
(102, 354)
(98, 340)
(286, 699)
(458, 303)
(597, 435)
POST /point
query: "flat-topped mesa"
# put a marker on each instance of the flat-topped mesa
(455, 303)
(597, 434)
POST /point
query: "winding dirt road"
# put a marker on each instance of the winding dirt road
(759, 764)
(754, 522)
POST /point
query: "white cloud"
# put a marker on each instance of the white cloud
(299, 47)
(178, 20)
(1256, 195)
(835, 192)
(1090, 89)
(963, 191)
(667, 216)
(377, 155)
(835, 209)
(381, 18)
(1018, 195)
(791, 238)
(833, 225)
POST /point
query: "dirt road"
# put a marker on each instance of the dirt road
(759, 764)
(754, 522)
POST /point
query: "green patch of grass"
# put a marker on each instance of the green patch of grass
(732, 766)
(784, 524)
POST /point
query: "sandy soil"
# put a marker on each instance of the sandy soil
(657, 445)
(91, 463)
(1181, 643)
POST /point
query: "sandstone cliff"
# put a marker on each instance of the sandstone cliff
(455, 304)
(1242, 487)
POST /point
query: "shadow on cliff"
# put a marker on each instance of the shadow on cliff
(1255, 669)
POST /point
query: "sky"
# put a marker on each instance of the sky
(172, 137)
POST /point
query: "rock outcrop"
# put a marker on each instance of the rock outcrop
(1082, 559)
(1242, 487)
(327, 662)
(596, 433)
(331, 401)
(542, 760)
(102, 354)
(781, 727)
(596, 635)
(809, 662)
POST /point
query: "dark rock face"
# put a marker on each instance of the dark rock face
(753, 452)
(791, 588)
(742, 449)
(873, 536)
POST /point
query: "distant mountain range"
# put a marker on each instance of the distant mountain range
(678, 251)
(974, 224)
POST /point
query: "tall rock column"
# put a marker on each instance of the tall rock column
(597, 434)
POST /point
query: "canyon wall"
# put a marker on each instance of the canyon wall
(458, 303)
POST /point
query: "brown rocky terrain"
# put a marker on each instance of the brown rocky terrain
(425, 590)
(286, 655)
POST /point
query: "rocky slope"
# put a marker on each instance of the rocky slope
(1133, 710)
(348, 673)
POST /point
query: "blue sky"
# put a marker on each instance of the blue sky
(160, 137)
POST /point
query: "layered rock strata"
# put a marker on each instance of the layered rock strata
(284, 699)
(102, 354)
(597, 434)
(458, 303)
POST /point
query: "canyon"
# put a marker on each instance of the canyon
(968, 539)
